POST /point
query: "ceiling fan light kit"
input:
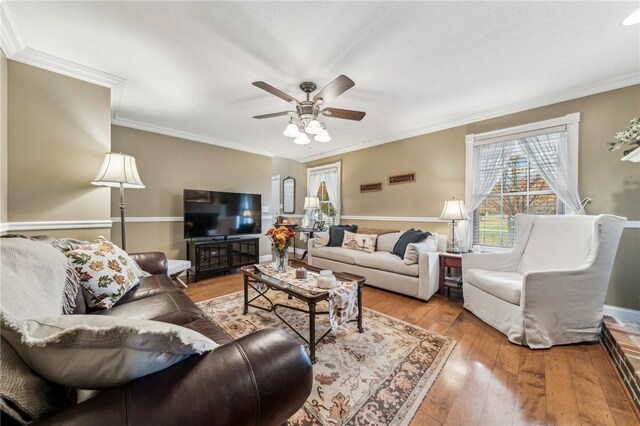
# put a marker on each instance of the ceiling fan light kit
(292, 130)
(304, 120)
(302, 139)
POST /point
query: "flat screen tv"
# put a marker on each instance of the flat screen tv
(220, 214)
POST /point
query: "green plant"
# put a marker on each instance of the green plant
(629, 136)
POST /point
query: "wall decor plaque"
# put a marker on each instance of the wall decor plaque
(371, 187)
(409, 177)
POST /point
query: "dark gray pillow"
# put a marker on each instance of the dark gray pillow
(336, 234)
(409, 237)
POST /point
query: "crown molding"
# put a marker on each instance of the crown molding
(613, 84)
(15, 49)
(139, 125)
(10, 39)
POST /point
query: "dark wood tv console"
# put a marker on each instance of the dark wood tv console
(211, 257)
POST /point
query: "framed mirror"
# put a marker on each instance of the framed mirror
(288, 195)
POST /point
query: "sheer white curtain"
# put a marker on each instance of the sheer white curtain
(331, 180)
(313, 184)
(549, 155)
(488, 162)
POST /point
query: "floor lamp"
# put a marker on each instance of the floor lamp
(119, 170)
(453, 210)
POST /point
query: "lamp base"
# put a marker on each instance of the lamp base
(454, 250)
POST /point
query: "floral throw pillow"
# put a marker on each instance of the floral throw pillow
(105, 270)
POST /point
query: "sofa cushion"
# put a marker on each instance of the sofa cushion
(336, 234)
(362, 242)
(338, 254)
(174, 307)
(503, 285)
(24, 395)
(410, 236)
(321, 239)
(385, 261)
(386, 242)
(106, 272)
(148, 286)
(98, 352)
(412, 254)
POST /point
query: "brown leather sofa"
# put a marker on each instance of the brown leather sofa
(260, 379)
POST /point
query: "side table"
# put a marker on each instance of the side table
(448, 261)
(177, 267)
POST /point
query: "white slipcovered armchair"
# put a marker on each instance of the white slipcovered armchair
(549, 289)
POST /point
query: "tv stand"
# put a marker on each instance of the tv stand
(224, 238)
(221, 255)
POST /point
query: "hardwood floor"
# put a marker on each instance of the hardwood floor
(488, 380)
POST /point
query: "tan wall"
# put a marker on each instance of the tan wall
(285, 167)
(167, 165)
(58, 131)
(439, 160)
(3, 137)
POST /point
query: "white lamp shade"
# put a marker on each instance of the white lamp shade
(323, 136)
(632, 19)
(454, 210)
(302, 139)
(311, 203)
(118, 168)
(291, 131)
(313, 128)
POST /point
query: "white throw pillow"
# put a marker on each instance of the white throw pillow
(320, 239)
(362, 242)
(100, 352)
(414, 249)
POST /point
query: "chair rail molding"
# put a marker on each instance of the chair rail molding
(52, 225)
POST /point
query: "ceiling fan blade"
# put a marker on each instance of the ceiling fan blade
(346, 114)
(334, 89)
(277, 92)
(273, 114)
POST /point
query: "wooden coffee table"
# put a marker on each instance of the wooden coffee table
(253, 275)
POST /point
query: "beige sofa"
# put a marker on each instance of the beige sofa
(382, 268)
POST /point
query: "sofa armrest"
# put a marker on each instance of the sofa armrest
(500, 261)
(154, 262)
(260, 379)
(428, 274)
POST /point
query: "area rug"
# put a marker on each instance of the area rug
(377, 377)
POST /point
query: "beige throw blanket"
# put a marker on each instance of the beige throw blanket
(35, 281)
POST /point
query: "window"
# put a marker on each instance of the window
(520, 189)
(324, 182)
(327, 208)
(528, 169)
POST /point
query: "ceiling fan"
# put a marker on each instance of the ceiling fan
(305, 118)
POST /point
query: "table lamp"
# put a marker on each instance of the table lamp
(312, 204)
(119, 170)
(453, 210)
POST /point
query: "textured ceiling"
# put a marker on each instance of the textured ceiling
(418, 66)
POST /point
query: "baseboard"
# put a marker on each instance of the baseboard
(622, 313)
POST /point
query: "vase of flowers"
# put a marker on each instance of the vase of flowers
(281, 239)
(630, 136)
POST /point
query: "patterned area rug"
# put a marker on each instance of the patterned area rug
(377, 377)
